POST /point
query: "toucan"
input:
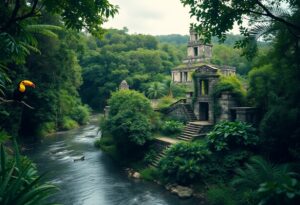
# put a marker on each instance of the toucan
(20, 90)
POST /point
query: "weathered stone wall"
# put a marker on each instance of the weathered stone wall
(176, 76)
(179, 113)
(226, 102)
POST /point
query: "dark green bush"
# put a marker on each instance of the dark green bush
(230, 135)
(185, 162)
(150, 156)
(129, 118)
(20, 183)
(172, 127)
(263, 183)
(150, 174)
(220, 195)
(81, 114)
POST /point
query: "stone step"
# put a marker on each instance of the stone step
(159, 156)
(190, 132)
(193, 127)
(185, 138)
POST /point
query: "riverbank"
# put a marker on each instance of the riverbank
(140, 170)
(97, 179)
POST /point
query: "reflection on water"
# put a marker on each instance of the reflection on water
(97, 180)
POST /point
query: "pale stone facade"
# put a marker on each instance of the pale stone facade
(198, 54)
(197, 70)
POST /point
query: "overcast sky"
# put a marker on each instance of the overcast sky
(155, 17)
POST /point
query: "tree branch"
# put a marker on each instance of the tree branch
(3, 100)
(14, 17)
(268, 13)
(29, 14)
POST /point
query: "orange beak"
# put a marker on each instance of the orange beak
(28, 83)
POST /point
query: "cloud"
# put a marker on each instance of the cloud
(151, 16)
(155, 17)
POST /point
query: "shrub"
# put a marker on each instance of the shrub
(231, 135)
(150, 156)
(68, 123)
(165, 102)
(129, 120)
(81, 114)
(263, 183)
(220, 195)
(172, 127)
(19, 182)
(46, 128)
(149, 174)
(230, 84)
(185, 162)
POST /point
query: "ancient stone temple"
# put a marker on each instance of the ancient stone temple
(198, 54)
(200, 76)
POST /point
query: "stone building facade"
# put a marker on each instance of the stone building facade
(201, 76)
(198, 54)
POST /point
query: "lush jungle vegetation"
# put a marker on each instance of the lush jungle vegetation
(77, 66)
(237, 163)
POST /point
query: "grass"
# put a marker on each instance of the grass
(159, 134)
(149, 174)
(107, 144)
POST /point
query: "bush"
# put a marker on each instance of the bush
(81, 114)
(68, 123)
(150, 156)
(231, 135)
(185, 162)
(129, 117)
(262, 183)
(230, 84)
(165, 102)
(20, 183)
(149, 174)
(172, 127)
(46, 128)
(220, 195)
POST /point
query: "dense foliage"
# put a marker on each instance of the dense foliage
(229, 135)
(212, 160)
(129, 118)
(185, 162)
(20, 182)
(139, 59)
(172, 127)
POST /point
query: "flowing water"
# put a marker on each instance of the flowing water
(97, 180)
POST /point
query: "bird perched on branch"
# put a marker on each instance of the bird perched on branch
(20, 90)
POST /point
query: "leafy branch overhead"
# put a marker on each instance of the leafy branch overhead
(84, 14)
(255, 18)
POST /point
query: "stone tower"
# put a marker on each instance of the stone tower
(197, 50)
(124, 85)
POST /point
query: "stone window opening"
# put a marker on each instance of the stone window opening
(203, 87)
(196, 37)
(196, 51)
(185, 76)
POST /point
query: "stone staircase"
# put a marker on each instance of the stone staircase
(192, 130)
(159, 156)
(190, 113)
(195, 129)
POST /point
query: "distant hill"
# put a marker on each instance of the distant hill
(173, 39)
(178, 39)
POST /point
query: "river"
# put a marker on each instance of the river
(97, 180)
